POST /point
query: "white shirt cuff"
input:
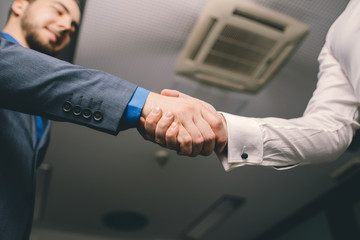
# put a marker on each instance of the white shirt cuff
(245, 143)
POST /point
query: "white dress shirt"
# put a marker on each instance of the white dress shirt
(327, 127)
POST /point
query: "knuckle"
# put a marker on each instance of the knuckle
(150, 120)
(185, 140)
(217, 123)
(198, 141)
(164, 123)
(222, 140)
(149, 126)
(188, 107)
(170, 134)
(210, 137)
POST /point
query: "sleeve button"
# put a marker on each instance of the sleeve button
(77, 110)
(86, 113)
(98, 116)
(67, 106)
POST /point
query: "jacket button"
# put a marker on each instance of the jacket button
(98, 116)
(67, 106)
(77, 110)
(86, 113)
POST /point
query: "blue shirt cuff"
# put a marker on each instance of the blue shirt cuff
(134, 108)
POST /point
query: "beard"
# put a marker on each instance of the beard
(33, 38)
(34, 43)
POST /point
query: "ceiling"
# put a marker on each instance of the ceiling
(94, 173)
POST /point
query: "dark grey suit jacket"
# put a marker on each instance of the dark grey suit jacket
(31, 84)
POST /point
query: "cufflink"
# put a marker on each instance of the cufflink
(244, 156)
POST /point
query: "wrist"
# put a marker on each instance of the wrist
(149, 104)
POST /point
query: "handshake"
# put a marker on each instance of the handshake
(182, 123)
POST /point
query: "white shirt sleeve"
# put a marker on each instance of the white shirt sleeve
(323, 133)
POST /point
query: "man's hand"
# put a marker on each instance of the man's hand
(192, 127)
(160, 128)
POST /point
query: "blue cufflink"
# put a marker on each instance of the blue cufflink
(244, 156)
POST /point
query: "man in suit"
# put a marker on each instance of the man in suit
(328, 125)
(36, 87)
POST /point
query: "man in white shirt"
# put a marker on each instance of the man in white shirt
(328, 125)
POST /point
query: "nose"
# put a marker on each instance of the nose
(65, 29)
(65, 23)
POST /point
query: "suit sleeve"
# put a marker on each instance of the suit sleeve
(35, 83)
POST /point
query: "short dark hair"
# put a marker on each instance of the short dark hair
(77, 1)
(30, 1)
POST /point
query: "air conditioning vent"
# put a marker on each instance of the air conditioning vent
(208, 28)
(258, 19)
(239, 45)
(238, 50)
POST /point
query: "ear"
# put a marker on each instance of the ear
(19, 6)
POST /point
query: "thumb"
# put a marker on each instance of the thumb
(170, 93)
(175, 93)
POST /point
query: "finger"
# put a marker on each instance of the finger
(162, 126)
(185, 142)
(182, 95)
(175, 93)
(196, 138)
(184, 111)
(208, 106)
(188, 118)
(218, 125)
(141, 128)
(170, 93)
(222, 142)
(208, 136)
(171, 136)
(151, 122)
(206, 143)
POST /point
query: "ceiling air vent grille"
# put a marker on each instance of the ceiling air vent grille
(239, 50)
(209, 27)
(238, 44)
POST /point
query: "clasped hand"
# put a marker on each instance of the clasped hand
(188, 125)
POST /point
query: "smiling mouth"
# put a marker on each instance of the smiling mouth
(55, 37)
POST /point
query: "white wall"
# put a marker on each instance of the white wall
(4, 9)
